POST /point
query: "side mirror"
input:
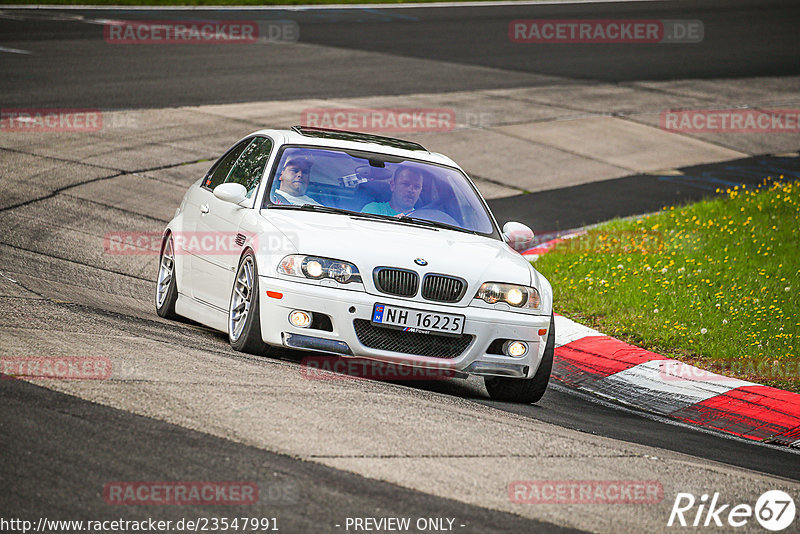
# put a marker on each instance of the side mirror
(518, 236)
(230, 192)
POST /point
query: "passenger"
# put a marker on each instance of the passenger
(294, 182)
(406, 186)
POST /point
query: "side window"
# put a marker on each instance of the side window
(221, 168)
(250, 167)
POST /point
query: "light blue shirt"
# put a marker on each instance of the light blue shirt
(379, 208)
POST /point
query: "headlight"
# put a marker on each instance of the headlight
(512, 294)
(319, 268)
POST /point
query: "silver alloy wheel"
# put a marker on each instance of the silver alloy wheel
(241, 298)
(165, 273)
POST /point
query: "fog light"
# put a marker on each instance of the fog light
(515, 348)
(300, 319)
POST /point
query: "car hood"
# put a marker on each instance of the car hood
(374, 243)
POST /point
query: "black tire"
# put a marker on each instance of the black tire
(166, 307)
(249, 338)
(525, 390)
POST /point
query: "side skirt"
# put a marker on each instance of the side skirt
(202, 312)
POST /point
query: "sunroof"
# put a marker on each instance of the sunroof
(311, 131)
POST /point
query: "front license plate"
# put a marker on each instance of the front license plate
(410, 320)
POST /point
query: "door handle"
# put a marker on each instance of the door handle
(204, 208)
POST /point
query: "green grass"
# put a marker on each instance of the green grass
(714, 284)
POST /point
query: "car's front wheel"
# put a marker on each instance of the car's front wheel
(525, 390)
(166, 285)
(244, 324)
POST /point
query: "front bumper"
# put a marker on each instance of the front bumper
(344, 306)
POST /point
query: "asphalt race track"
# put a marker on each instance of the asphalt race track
(183, 406)
(366, 52)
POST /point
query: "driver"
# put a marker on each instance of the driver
(406, 186)
(294, 182)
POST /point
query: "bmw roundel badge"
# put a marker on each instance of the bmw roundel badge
(420, 261)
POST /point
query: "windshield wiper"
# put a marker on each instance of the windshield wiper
(329, 209)
(435, 224)
(390, 218)
(313, 207)
(414, 221)
(325, 209)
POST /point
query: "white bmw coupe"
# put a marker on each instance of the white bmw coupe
(362, 246)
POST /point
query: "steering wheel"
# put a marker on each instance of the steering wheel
(434, 215)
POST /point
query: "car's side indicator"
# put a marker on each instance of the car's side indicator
(274, 294)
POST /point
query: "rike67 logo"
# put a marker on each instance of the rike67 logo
(774, 510)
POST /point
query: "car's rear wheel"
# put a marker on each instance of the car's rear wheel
(166, 285)
(244, 322)
(525, 390)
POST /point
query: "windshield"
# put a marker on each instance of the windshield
(377, 184)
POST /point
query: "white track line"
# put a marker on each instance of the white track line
(14, 50)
